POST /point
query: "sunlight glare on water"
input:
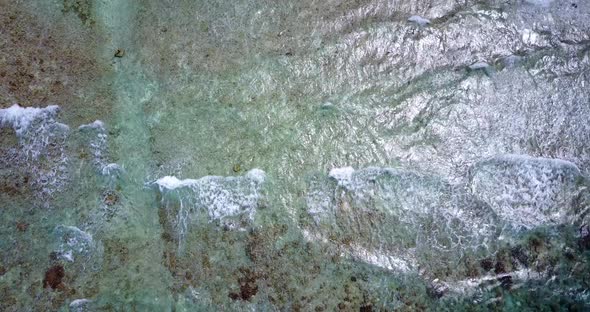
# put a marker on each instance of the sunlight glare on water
(252, 155)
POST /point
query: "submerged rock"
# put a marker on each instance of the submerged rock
(120, 53)
(75, 245)
(398, 219)
(54, 276)
(527, 191)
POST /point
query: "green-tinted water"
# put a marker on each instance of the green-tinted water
(294, 155)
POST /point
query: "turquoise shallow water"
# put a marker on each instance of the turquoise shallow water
(376, 155)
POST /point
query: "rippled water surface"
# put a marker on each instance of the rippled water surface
(252, 155)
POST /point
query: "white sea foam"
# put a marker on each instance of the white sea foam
(224, 199)
(21, 118)
(361, 254)
(541, 3)
(97, 124)
(172, 182)
(479, 65)
(388, 262)
(419, 20)
(73, 243)
(80, 305)
(342, 175)
(67, 255)
(41, 152)
(97, 143)
(256, 175)
(111, 169)
(470, 285)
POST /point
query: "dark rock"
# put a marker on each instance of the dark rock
(54, 276)
(120, 53)
(435, 293)
(166, 237)
(234, 296)
(110, 198)
(486, 264)
(499, 268)
(248, 286)
(248, 290)
(22, 226)
(519, 254)
(366, 308)
(506, 281)
(584, 240)
(535, 243)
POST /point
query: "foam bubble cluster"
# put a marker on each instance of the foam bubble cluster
(41, 153)
(97, 142)
(231, 201)
(75, 245)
